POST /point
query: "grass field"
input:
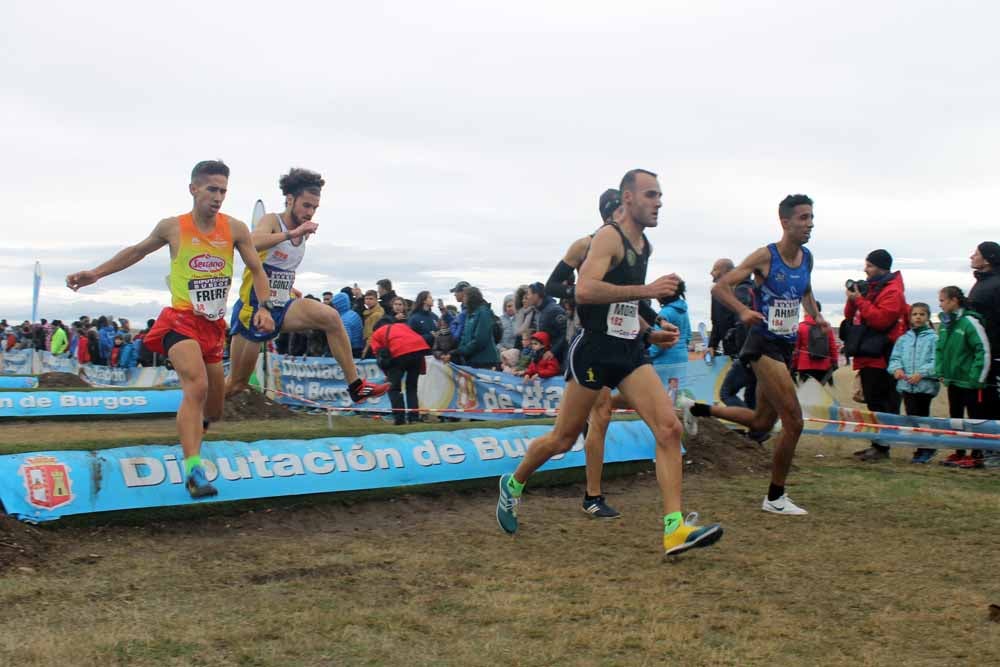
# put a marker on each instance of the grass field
(893, 566)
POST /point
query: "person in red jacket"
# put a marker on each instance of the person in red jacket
(540, 367)
(83, 349)
(407, 350)
(808, 364)
(880, 306)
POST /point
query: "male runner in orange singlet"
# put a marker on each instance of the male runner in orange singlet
(191, 332)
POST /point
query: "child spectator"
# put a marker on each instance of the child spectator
(540, 367)
(509, 359)
(912, 364)
(814, 357)
(526, 355)
(674, 310)
(373, 313)
(962, 363)
(116, 351)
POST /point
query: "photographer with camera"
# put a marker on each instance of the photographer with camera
(875, 316)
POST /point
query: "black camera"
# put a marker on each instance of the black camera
(860, 285)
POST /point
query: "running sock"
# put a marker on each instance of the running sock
(774, 492)
(672, 522)
(701, 410)
(515, 487)
(191, 462)
(587, 497)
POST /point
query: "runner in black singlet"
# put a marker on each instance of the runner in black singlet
(611, 352)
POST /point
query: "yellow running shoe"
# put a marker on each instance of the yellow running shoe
(690, 535)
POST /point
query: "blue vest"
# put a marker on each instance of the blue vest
(779, 297)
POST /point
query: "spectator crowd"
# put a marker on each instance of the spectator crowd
(899, 359)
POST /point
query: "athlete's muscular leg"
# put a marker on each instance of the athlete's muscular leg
(759, 420)
(306, 314)
(573, 410)
(593, 446)
(216, 396)
(776, 390)
(186, 359)
(242, 360)
(646, 393)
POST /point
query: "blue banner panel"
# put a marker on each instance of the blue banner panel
(320, 380)
(18, 382)
(69, 402)
(17, 362)
(43, 486)
(473, 393)
(927, 432)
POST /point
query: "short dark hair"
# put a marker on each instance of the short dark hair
(328, 292)
(628, 180)
(953, 292)
(385, 284)
(788, 204)
(297, 181)
(209, 168)
(371, 292)
(537, 288)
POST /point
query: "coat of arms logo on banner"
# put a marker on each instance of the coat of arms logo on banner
(47, 481)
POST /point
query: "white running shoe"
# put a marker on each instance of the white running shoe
(684, 404)
(782, 505)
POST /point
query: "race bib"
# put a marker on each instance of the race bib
(281, 287)
(783, 316)
(208, 296)
(623, 320)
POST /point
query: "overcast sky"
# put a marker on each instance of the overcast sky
(470, 141)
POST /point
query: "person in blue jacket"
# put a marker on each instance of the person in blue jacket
(674, 309)
(912, 364)
(129, 356)
(422, 318)
(352, 323)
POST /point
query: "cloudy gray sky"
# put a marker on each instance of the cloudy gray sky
(465, 140)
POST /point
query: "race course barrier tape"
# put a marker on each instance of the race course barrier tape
(43, 486)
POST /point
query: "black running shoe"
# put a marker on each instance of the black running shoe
(597, 508)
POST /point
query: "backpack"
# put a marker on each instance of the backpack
(497, 329)
(818, 343)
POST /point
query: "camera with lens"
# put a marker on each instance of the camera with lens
(860, 285)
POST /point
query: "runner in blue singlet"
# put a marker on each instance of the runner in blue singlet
(782, 286)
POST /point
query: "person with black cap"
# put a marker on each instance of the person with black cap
(457, 324)
(876, 314)
(984, 298)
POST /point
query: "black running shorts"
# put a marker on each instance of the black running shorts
(758, 345)
(597, 360)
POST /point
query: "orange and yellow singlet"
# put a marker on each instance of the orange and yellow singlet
(202, 271)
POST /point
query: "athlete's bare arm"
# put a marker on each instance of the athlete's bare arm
(758, 262)
(267, 232)
(606, 249)
(577, 252)
(243, 242)
(165, 232)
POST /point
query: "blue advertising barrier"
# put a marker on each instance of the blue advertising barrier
(320, 380)
(18, 382)
(91, 403)
(472, 393)
(43, 486)
(17, 362)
